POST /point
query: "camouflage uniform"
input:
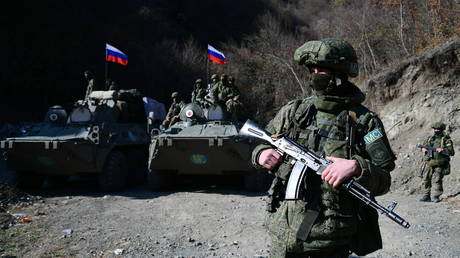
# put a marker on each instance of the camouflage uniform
(173, 113)
(91, 84)
(113, 86)
(199, 93)
(214, 81)
(438, 165)
(225, 94)
(234, 105)
(325, 222)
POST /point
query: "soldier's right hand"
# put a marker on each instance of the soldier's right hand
(424, 150)
(270, 158)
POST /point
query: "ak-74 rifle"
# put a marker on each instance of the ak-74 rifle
(431, 150)
(306, 160)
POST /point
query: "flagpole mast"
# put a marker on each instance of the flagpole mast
(106, 69)
(207, 70)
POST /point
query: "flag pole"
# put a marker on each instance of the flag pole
(106, 68)
(207, 70)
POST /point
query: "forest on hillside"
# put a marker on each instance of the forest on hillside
(48, 44)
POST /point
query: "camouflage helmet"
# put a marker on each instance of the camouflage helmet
(224, 77)
(198, 81)
(175, 95)
(334, 54)
(439, 125)
(214, 76)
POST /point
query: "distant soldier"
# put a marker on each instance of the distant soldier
(214, 81)
(438, 162)
(234, 105)
(174, 110)
(113, 86)
(231, 80)
(91, 83)
(199, 93)
(222, 91)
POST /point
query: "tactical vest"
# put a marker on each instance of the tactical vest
(439, 159)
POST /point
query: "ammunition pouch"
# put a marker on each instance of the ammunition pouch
(275, 195)
(438, 162)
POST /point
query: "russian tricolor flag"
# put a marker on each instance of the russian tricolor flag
(112, 54)
(216, 56)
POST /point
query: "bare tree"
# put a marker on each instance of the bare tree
(402, 26)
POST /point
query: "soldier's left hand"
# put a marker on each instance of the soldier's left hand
(340, 170)
(439, 149)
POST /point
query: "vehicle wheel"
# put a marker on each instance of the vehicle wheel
(159, 181)
(29, 180)
(257, 181)
(114, 173)
(137, 167)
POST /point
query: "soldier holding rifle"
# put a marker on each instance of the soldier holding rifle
(437, 148)
(327, 221)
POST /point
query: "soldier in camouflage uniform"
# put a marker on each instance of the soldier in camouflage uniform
(173, 113)
(225, 94)
(214, 81)
(198, 94)
(235, 106)
(327, 221)
(91, 83)
(438, 164)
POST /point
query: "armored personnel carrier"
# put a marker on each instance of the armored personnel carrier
(204, 142)
(105, 136)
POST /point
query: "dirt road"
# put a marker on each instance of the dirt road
(198, 221)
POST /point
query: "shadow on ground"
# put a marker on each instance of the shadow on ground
(83, 186)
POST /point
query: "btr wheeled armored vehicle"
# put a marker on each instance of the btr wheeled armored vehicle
(204, 142)
(104, 135)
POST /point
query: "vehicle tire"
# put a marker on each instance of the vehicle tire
(137, 167)
(159, 181)
(29, 180)
(114, 173)
(257, 181)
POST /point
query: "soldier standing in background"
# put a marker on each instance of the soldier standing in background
(438, 164)
(199, 93)
(327, 221)
(174, 110)
(91, 83)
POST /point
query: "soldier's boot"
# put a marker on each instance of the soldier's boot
(436, 199)
(425, 198)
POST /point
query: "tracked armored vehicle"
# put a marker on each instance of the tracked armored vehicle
(104, 136)
(204, 142)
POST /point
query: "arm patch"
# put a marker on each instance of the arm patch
(373, 136)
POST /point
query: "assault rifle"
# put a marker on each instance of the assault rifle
(431, 150)
(308, 160)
